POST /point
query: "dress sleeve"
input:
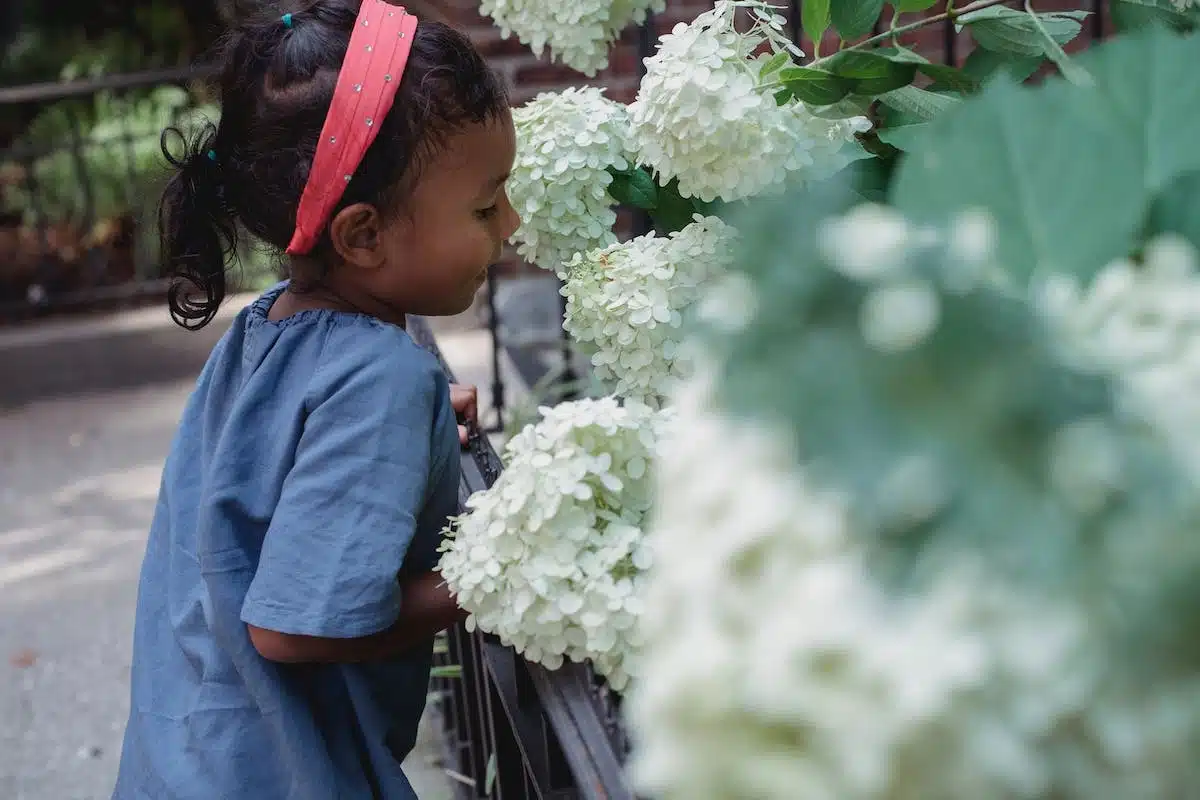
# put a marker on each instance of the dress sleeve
(350, 504)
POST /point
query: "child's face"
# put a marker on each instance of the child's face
(437, 253)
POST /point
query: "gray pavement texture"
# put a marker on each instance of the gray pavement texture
(79, 475)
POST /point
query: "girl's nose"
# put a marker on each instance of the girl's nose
(512, 220)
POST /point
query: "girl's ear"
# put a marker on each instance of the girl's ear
(357, 235)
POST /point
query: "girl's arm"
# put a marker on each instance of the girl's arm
(426, 607)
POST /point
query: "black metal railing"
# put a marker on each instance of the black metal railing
(513, 729)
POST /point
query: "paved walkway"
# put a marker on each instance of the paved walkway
(78, 481)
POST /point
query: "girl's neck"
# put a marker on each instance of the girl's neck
(321, 297)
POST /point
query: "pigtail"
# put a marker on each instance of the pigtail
(198, 233)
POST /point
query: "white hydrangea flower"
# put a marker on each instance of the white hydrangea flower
(1142, 324)
(550, 558)
(579, 33)
(778, 664)
(701, 117)
(626, 304)
(777, 667)
(566, 141)
(1184, 5)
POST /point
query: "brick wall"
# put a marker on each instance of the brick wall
(527, 74)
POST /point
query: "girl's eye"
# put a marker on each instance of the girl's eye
(485, 213)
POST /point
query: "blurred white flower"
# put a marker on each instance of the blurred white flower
(579, 33)
(898, 317)
(701, 117)
(566, 141)
(626, 304)
(550, 558)
(1140, 323)
(778, 666)
(788, 656)
(868, 242)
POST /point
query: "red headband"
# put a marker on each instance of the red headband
(365, 91)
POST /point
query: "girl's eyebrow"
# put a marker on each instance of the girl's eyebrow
(495, 183)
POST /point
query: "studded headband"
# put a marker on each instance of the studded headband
(365, 91)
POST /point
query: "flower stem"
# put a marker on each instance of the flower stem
(1069, 69)
(951, 13)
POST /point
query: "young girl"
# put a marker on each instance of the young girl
(287, 604)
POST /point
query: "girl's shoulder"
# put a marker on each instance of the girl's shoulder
(346, 344)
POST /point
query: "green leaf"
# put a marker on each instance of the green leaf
(1006, 30)
(948, 77)
(982, 64)
(813, 86)
(907, 6)
(450, 671)
(869, 177)
(815, 18)
(489, 779)
(674, 212)
(871, 74)
(1150, 86)
(900, 54)
(850, 106)
(1177, 209)
(773, 63)
(904, 137)
(1060, 179)
(1129, 15)
(855, 18)
(918, 104)
(634, 188)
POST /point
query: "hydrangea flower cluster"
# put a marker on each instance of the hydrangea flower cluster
(579, 32)
(701, 117)
(1141, 323)
(566, 141)
(626, 304)
(859, 623)
(550, 558)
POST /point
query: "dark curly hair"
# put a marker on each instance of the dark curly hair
(276, 83)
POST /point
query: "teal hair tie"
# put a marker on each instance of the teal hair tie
(287, 20)
(212, 155)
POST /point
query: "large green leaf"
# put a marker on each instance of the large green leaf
(1006, 30)
(1130, 15)
(904, 6)
(906, 137)
(1150, 82)
(814, 86)
(869, 73)
(918, 104)
(982, 64)
(945, 75)
(634, 188)
(855, 18)
(1062, 182)
(1177, 209)
(673, 211)
(814, 18)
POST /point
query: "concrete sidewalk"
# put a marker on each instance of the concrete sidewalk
(83, 432)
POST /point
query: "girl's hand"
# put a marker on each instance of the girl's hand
(465, 401)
